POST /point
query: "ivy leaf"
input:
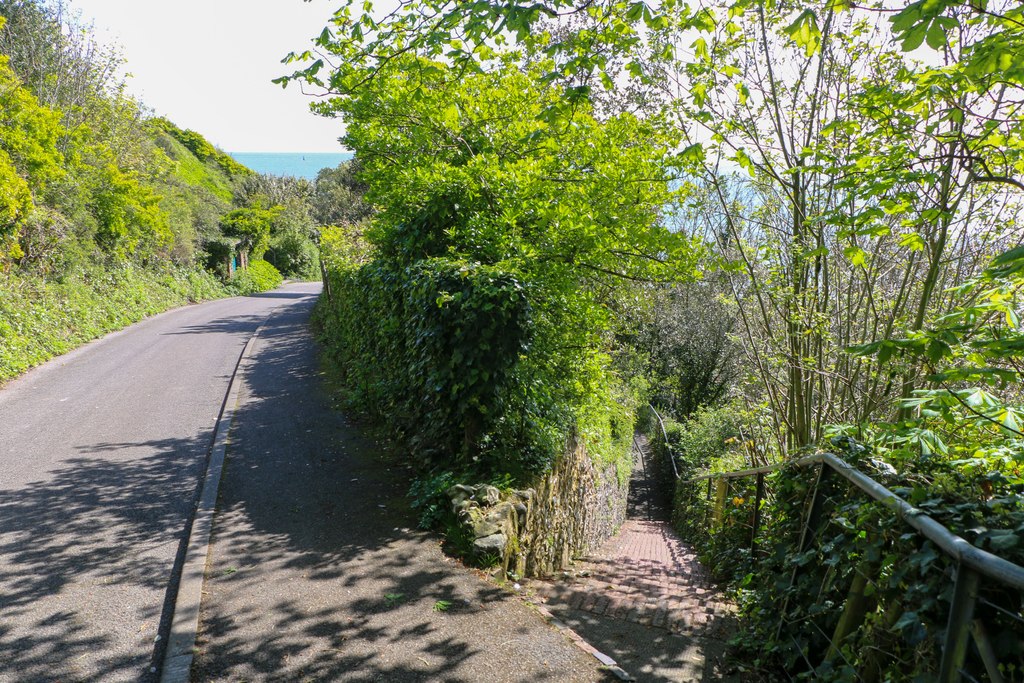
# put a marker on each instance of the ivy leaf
(1003, 540)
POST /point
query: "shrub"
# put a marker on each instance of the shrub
(260, 276)
(483, 323)
(295, 255)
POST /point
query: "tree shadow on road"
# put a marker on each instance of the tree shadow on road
(317, 571)
(236, 324)
(99, 528)
(658, 655)
(283, 295)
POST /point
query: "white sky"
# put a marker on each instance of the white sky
(207, 65)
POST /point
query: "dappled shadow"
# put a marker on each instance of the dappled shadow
(235, 324)
(644, 598)
(655, 654)
(317, 572)
(282, 295)
(91, 528)
(99, 528)
(646, 499)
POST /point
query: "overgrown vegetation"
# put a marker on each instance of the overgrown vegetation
(41, 317)
(852, 175)
(481, 322)
(108, 214)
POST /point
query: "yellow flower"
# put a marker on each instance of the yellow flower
(737, 501)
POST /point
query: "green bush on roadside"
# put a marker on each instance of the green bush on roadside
(260, 276)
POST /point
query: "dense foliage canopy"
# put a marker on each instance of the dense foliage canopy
(501, 240)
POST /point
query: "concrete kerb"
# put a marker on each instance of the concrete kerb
(181, 643)
(606, 661)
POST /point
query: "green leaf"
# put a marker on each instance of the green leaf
(937, 350)
(694, 154)
(912, 241)
(1003, 540)
(869, 349)
(857, 256)
(885, 353)
(700, 48)
(913, 38)
(936, 36)
(745, 162)
(906, 619)
(805, 32)
(636, 10)
(907, 17)
(1007, 263)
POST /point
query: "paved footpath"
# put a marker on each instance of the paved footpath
(317, 572)
(644, 599)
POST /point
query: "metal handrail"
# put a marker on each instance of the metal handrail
(737, 474)
(971, 562)
(668, 446)
(951, 544)
(958, 548)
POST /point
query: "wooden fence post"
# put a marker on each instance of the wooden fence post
(961, 613)
(811, 527)
(721, 491)
(756, 521)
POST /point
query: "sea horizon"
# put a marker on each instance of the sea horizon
(295, 164)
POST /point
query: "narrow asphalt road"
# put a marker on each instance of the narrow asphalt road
(101, 452)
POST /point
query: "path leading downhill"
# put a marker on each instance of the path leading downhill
(643, 598)
(100, 455)
(316, 570)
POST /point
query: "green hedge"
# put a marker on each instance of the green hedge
(455, 354)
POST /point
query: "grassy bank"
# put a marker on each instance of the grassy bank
(40, 319)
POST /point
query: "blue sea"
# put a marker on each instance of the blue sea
(296, 164)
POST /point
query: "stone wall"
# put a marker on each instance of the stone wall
(577, 507)
(535, 532)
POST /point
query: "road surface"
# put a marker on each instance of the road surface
(101, 451)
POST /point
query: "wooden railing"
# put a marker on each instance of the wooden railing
(970, 562)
